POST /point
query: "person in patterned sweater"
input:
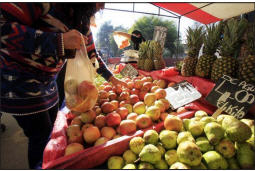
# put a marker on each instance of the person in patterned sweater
(36, 39)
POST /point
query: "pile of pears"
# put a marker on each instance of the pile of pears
(202, 143)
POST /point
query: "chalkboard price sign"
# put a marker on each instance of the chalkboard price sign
(129, 71)
(181, 94)
(232, 96)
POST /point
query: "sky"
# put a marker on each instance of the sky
(127, 19)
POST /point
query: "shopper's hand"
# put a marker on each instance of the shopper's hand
(115, 81)
(72, 39)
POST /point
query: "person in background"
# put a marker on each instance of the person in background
(36, 39)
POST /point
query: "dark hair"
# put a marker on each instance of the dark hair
(81, 13)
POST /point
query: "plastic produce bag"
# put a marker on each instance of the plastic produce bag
(80, 92)
(120, 40)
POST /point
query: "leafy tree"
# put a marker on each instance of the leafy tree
(146, 26)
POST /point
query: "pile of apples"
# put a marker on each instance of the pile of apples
(120, 111)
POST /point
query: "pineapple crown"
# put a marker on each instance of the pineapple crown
(250, 43)
(232, 37)
(194, 40)
(212, 38)
(150, 49)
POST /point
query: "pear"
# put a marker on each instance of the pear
(171, 157)
(207, 119)
(196, 128)
(203, 144)
(168, 139)
(115, 162)
(150, 153)
(251, 141)
(245, 155)
(200, 114)
(214, 160)
(186, 124)
(189, 153)
(199, 167)
(250, 123)
(129, 166)
(185, 136)
(145, 166)
(220, 118)
(129, 156)
(151, 137)
(236, 130)
(226, 148)
(214, 132)
(161, 149)
(233, 164)
(136, 144)
(179, 165)
(161, 164)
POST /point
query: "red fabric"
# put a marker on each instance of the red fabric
(91, 157)
(183, 8)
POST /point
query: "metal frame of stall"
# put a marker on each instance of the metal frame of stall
(158, 14)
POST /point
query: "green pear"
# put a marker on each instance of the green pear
(233, 164)
(196, 128)
(236, 130)
(245, 155)
(136, 144)
(226, 148)
(145, 166)
(201, 166)
(220, 118)
(179, 165)
(185, 136)
(161, 149)
(151, 137)
(250, 123)
(251, 141)
(207, 119)
(171, 157)
(161, 164)
(115, 162)
(203, 144)
(168, 139)
(129, 156)
(150, 153)
(189, 153)
(214, 132)
(214, 160)
(186, 124)
(200, 114)
(129, 166)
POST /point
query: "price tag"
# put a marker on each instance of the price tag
(129, 71)
(232, 96)
(181, 94)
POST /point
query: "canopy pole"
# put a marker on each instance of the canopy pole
(178, 38)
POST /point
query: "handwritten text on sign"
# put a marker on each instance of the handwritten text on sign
(232, 96)
(181, 94)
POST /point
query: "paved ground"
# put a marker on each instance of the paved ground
(13, 146)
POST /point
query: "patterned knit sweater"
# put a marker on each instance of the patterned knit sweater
(31, 56)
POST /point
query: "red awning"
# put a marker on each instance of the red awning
(207, 13)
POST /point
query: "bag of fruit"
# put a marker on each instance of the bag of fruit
(80, 92)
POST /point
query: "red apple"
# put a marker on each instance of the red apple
(166, 103)
(181, 110)
(108, 88)
(149, 99)
(100, 121)
(101, 141)
(143, 121)
(138, 84)
(91, 134)
(139, 108)
(171, 84)
(141, 95)
(115, 103)
(160, 93)
(112, 96)
(135, 91)
(108, 132)
(129, 107)
(163, 116)
(123, 112)
(130, 85)
(74, 134)
(113, 119)
(107, 107)
(146, 86)
(154, 88)
(88, 116)
(102, 101)
(103, 94)
(124, 96)
(127, 127)
(85, 126)
(162, 83)
(134, 99)
(132, 116)
(73, 148)
(76, 121)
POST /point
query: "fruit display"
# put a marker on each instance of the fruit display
(229, 49)
(223, 143)
(120, 111)
(150, 56)
(211, 43)
(194, 43)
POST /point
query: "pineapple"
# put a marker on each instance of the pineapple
(229, 49)
(247, 67)
(211, 43)
(148, 63)
(194, 42)
(142, 54)
(157, 55)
